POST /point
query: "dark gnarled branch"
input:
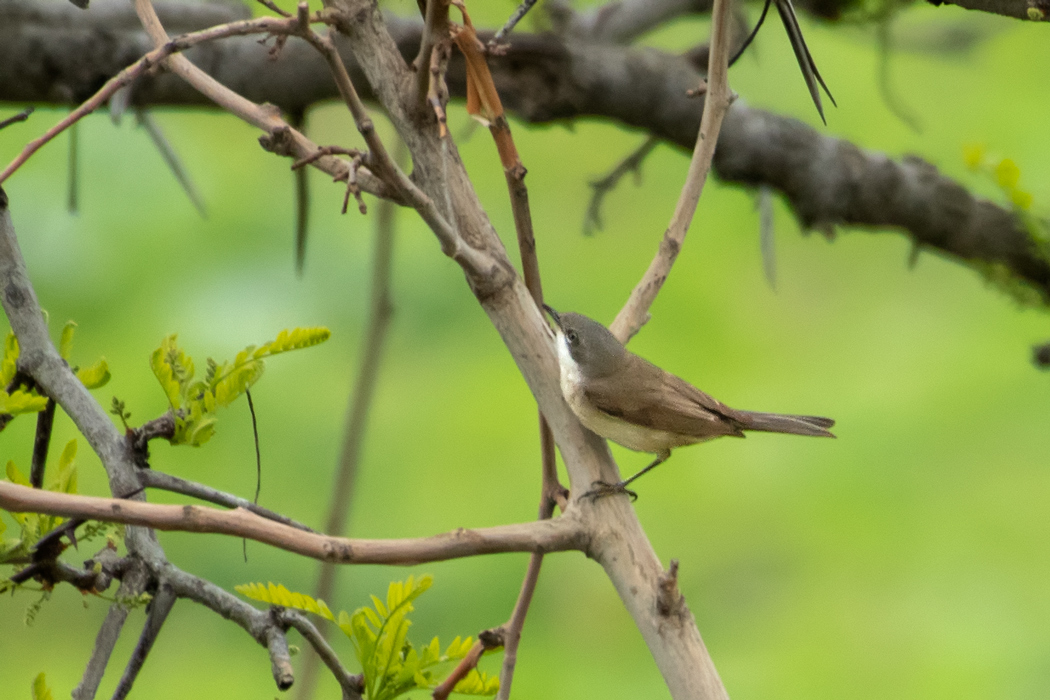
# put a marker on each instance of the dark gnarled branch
(542, 78)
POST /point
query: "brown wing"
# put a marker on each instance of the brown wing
(661, 401)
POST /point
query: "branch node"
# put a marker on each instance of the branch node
(669, 600)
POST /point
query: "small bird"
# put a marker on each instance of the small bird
(805, 61)
(634, 403)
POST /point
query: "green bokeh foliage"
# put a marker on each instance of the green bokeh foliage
(907, 559)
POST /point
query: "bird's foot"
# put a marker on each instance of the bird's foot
(601, 489)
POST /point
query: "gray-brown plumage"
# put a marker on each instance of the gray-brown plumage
(631, 401)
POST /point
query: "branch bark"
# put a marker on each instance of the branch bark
(558, 535)
(543, 78)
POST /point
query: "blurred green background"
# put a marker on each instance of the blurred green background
(907, 559)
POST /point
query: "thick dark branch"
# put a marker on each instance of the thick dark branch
(1035, 10)
(623, 21)
(41, 442)
(828, 181)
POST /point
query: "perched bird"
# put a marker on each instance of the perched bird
(634, 403)
(802, 55)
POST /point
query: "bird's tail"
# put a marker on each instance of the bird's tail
(778, 423)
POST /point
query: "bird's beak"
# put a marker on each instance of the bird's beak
(554, 315)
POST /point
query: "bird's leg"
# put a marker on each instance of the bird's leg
(600, 489)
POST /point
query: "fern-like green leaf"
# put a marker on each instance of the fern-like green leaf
(237, 379)
(95, 376)
(20, 401)
(276, 594)
(164, 371)
(477, 683)
(294, 339)
(65, 343)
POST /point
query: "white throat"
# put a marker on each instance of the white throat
(571, 377)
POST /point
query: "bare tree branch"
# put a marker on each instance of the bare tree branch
(624, 21)
(133, 584)
(156, 615)
(717, 98)
(351, 684)
(562, 534)
(20, 117)
(1034, 10)
(159, 480)
(342, 496)
(543, 78)
(603, 186)
(132, 73)
(261, 625)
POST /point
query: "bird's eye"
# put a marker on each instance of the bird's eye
(572, 337)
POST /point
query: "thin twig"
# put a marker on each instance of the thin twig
(592, 220)
(302, 199)
(342, 498)
(635, 312)
(73, 176)
(20, 117)
(519, 12)
(159, 480)
(132, 72)
(159, 607)
(514, 172)
(465, 666)
(352, 684)
(260, 624)
(474, 261)
(561, 534)
(133, 584)
(435, 32)
(269, 4)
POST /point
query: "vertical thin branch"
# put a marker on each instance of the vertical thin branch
(159, 608)
(717, 99)
(41, 442)
(73, 184)
(357, 414)
(131, 586)
(488, 104)
(519, 12)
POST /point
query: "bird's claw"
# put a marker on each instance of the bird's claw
(601, 489)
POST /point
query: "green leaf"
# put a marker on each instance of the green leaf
(477, 683)
(20, 401)
(165, 371)
(65, 344)
(9, 363)
(40, 689)
(66, 481)
(95, 376)
(16, 476)
(279, 595)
